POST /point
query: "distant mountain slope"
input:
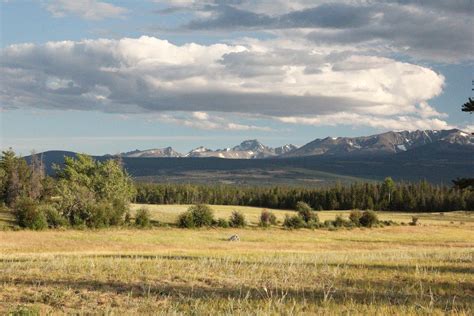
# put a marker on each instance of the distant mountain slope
(248, 149)
(437, 164)
(167, 152)
(388, 143)
(437, 156)
(380, 144)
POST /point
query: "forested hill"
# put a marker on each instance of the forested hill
(434, 164)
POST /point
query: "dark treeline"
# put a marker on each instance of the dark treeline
(413, 197)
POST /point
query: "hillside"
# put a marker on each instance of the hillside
(433, 163)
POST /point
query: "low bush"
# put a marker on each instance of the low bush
(306, 212)
(237, 219)
(267, 219)
(186, 220)
(368, 219)
(414, 221)
(329, 224)
(340, 222)
(53, 217)
(100, 215)
(223, 223)
(314, 224)
(29, 215)
(199, 215)
(143, 218)
(294, 222)
(355, 216)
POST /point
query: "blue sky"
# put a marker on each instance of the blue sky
(106, 77)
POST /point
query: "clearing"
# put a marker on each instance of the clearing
(425, 269)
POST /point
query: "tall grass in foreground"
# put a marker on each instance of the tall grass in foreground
(271, 271)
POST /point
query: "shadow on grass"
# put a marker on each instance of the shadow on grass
(380, 267)
(362, 292)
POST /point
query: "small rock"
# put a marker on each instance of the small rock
(234, 238)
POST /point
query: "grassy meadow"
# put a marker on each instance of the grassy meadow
(403, 270)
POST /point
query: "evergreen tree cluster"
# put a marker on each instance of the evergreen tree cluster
(385, 196)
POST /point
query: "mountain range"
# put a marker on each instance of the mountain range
(435, 156)
(379, 144)
(248, 149)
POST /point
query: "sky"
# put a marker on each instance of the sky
(113, 76)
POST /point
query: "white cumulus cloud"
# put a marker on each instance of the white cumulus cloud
(265, 78)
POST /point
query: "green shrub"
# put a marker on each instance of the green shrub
(102, 215)
(294, 222)
(355, 216)
(186, 220)
(306, 212)
(237, 219)
(199, 215)
(340, 221)
(329, 225)
(142, 218)
(314, 224)
(202, 215)
(53, 217)
(29, 215)
(368, 219)
(267, 219)
(223, 223)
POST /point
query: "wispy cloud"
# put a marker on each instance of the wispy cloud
(86, 9)
(205, 121)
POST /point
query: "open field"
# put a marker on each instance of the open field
(168, 214)
(427, 269)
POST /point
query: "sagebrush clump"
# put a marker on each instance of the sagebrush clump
(355, 216)
(222, 223)
(368, 219)
(267, 219)
(294, 222)
(306, 212)
(237, 220)
(196, 216)
(143, 218)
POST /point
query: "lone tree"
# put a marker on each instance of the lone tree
(464, 183)
(388, 186)
(468, 106)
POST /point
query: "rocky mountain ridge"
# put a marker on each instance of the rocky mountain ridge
(379, 144)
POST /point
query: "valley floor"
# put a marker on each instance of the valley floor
(426, 269)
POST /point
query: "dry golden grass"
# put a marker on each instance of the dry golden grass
(169, 213)
(402, 270)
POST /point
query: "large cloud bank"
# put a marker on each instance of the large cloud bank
(286, 80)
